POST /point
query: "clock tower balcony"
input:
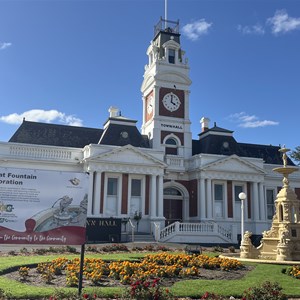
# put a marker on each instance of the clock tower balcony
(175, 163)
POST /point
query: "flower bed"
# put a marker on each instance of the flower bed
(169, 267)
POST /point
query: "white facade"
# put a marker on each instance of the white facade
(193, 198)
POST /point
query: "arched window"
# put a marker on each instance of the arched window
(172, 192)
(171, 146)
(171, 57)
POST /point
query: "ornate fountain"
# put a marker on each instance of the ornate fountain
(282, 241)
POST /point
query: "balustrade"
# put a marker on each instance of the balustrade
(202, 227)
(37, 152)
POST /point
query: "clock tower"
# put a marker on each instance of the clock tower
(165, 90)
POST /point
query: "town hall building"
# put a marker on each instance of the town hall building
(182, 189)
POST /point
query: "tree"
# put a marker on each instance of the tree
(295, 155)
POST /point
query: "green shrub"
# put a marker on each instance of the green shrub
(231, 249)
(266, 291)
(71, 249)
(115, 247)
(217, 249)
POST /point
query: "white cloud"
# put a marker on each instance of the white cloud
(194, 30)
(4, 45)
(281, 22)
(250, 121)
(39, 115)
(254, 29)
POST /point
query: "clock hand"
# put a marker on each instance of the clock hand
(172, 100)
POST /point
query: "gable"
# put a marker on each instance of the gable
(127, 155)
(233, 164)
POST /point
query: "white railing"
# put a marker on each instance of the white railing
(174, 162)
(132, 230)
(225, 232)
(196, 227)
(199, 228)
(37, 152)
(156, 231)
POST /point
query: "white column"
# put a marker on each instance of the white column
(262, 202)
(161, 196)
(153, 197)
(202, 199)
(198, 198)
(144, 109)
(255, 201)
(209, 197)
(90, 205)
(176, 56)
(97, 193)
(119, 197)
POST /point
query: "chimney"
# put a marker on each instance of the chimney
(204, 124)
(113, 112)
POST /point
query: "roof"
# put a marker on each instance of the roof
(121, 135)
(216, 129)
(55, 135)
(215, 144)
(77, 137)
(227, 145)
(270, 154)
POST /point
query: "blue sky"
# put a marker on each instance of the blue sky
(67, 62)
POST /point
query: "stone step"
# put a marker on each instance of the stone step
(141, 237)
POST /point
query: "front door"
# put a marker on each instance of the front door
(172, 211)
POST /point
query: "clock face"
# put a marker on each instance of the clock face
(171, 102)
(150, 105)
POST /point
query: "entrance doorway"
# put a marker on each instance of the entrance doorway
(172, 206)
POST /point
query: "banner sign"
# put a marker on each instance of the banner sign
(99, 230)
(42, 207)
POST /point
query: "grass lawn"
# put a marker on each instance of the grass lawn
(184, 288)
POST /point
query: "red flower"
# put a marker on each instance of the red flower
(85, 296)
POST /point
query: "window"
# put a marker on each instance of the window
(171, 142)
(112, 186)
(136, 196)
(171, 146)
(237, 190)
(136, 187)
(172, 192)
(219, 192)
(270, 204)
(171, 56)
(237, 205)
(219, 200)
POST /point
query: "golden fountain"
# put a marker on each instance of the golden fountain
(282, 241)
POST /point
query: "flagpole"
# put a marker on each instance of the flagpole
(166, 8)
